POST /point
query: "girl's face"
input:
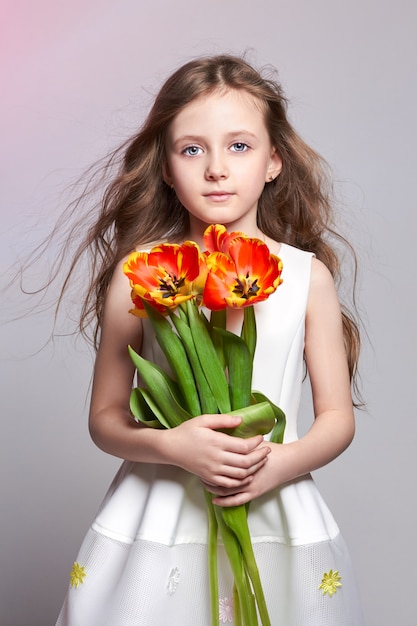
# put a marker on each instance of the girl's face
(218, 159)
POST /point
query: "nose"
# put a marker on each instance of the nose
(216, 168)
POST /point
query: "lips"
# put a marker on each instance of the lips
(218, 196)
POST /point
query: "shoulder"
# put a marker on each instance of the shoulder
(321, 277)
(117, 321)
(119, 288)
(323, 300)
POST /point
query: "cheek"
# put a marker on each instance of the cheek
(179, 169)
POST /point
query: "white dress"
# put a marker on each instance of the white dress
(144, 560)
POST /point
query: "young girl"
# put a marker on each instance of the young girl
(217, 148)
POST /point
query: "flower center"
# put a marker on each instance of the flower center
(170, 285)
(246, 287)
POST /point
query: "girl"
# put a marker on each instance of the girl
(217, 148)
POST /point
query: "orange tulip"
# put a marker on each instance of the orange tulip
(164, 276)
(248, 274)
(139, 310)
(217, 239)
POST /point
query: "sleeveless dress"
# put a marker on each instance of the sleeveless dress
(143, 562)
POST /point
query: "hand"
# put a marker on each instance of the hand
(266, 478)
(221, 461)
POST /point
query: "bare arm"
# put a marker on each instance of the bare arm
(218, 459)
(333, 427)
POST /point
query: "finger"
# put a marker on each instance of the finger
(226, 486)
(236, 477)
(236, 499)
(241, 465)
(235, 471)
(232, 478)
(219, 420)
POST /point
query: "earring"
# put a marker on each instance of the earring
(271, 178)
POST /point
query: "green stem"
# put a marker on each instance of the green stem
(218, 320)
(235, 518)
(248, 333)
(212, 560)
(237, 618)
(234, 554)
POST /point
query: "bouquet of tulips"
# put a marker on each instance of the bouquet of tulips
(211, 369)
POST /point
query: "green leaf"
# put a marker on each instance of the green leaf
(257, 419)
(277, 434)
(176, 356)
(208, 358)
(145, 410)
(162, 388)
(207, 401)
(239, 368)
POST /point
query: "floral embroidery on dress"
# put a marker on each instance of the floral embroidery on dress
(226, 610)
(173, 581)
(77, 575)
(330, 582)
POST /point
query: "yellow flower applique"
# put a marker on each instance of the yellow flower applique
(77, 575)
(330, 582)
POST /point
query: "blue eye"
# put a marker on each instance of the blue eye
(192, 150)
(240, 146)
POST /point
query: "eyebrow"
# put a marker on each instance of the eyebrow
(198, 138)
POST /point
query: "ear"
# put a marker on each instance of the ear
(166, 176)
(274, 166)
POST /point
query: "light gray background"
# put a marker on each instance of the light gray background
(77, 77)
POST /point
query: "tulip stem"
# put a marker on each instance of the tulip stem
(236, 606)
(235, 518)
(212, 560)
(218, 320)
(248, 333)
(234, 553)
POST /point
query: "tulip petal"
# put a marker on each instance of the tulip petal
(164, 276)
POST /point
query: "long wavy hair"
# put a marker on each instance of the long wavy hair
(138, 207)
